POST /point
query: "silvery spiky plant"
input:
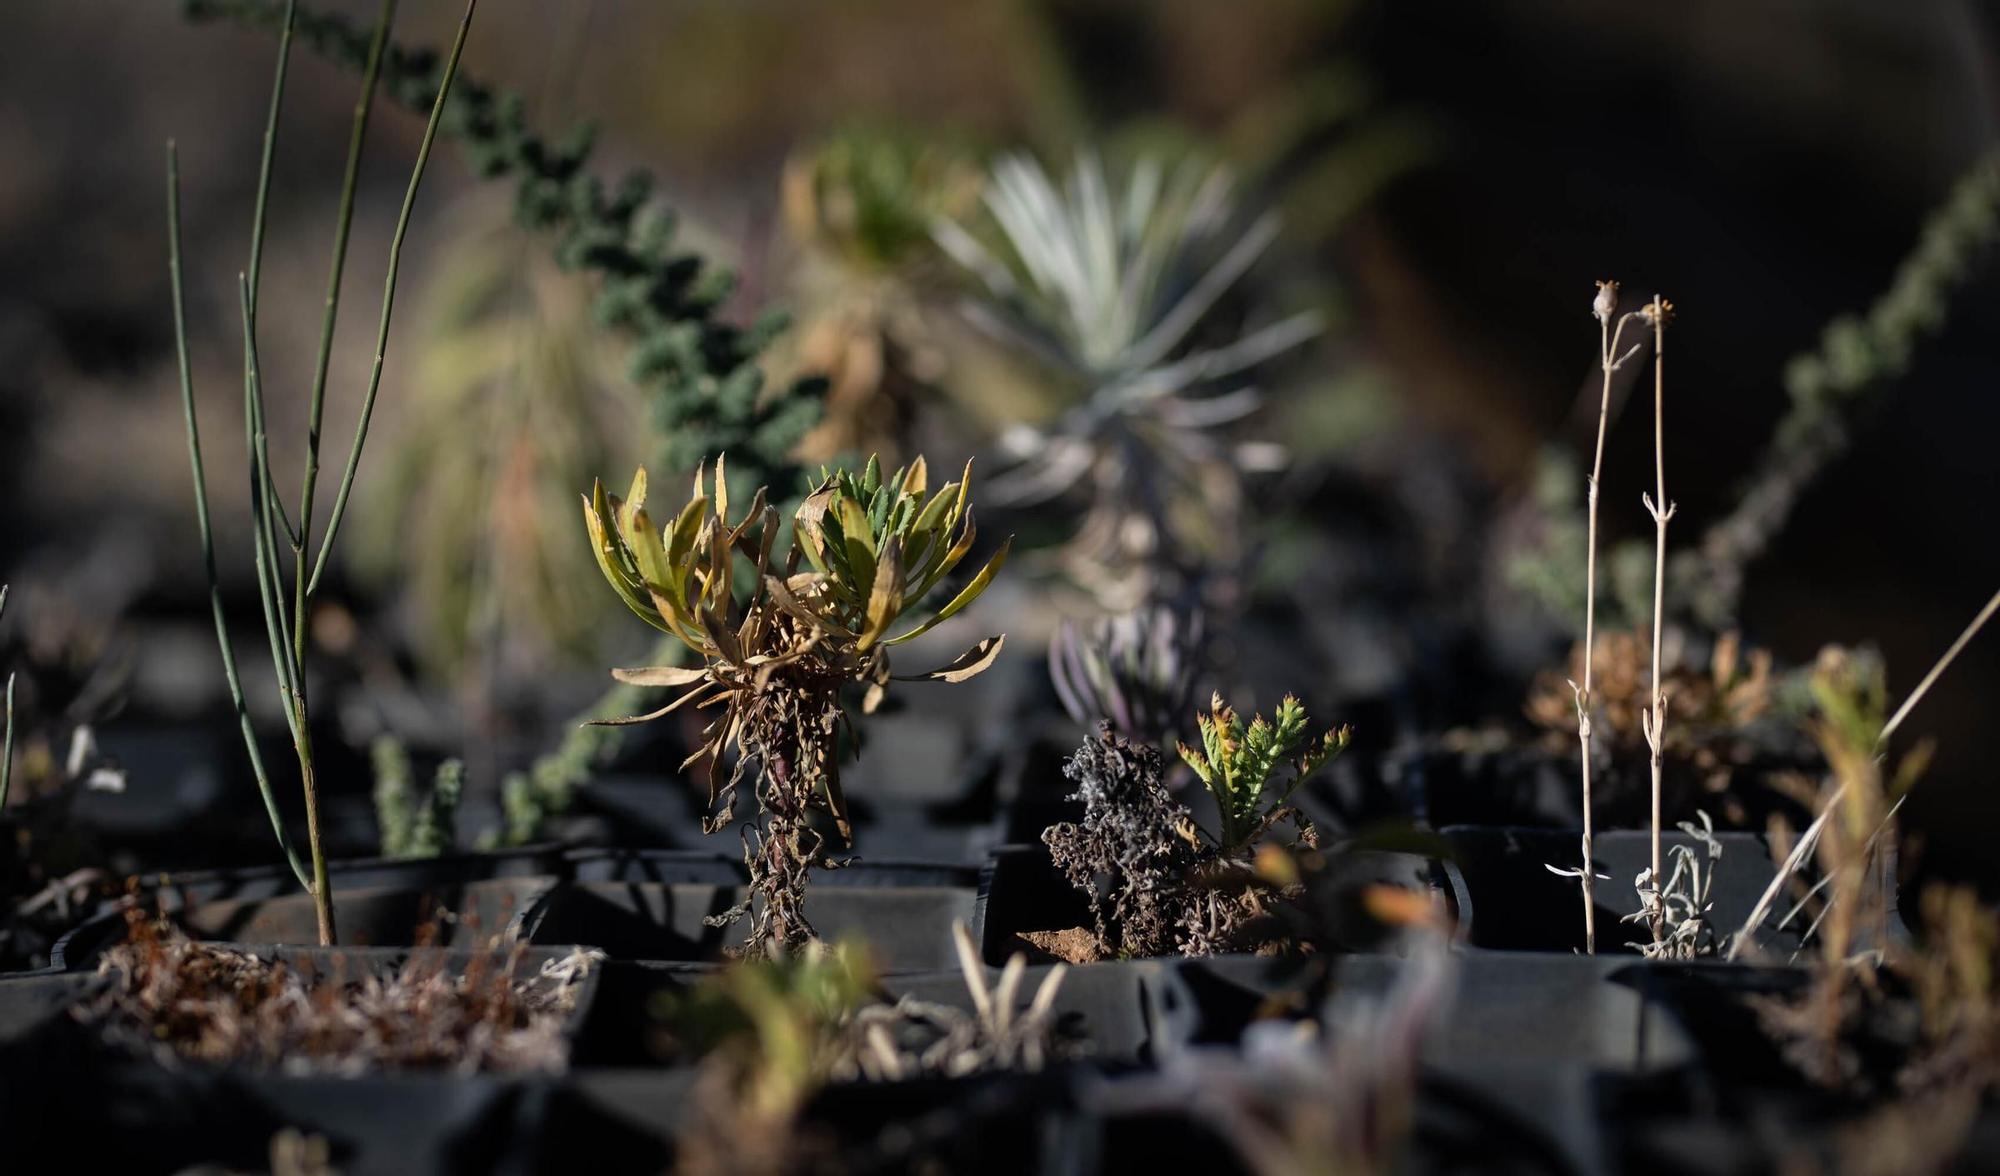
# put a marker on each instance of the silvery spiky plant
(1135, 670)
(1110, 285)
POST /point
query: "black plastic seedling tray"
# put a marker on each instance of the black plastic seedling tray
(69, 1096)
(1509, 900)
(652, 905)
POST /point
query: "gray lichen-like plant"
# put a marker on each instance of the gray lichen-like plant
(1106, 285)
(287, 613)
(1133, 852)
(1135, 670)
(1677, 911)
(776, 657)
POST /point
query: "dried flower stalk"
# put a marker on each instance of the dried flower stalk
(1654, 719)
(1610, 335)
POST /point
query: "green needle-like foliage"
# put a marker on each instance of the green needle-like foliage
(1237, 765)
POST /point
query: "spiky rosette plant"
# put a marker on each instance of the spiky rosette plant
(1109, 283)
(778, 647)
(1135, 670)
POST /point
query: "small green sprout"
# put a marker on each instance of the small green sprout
(773, 1026)
(1236, 765)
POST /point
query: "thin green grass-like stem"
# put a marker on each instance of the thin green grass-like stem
(264, 505)
(263, 198)
(229, 670)
(1654, 717)
(322, 889)
(285, 619)
(350, 180)
(291, 671)
(388, 302)
(264, 541)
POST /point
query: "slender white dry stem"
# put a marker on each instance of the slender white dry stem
(1609, 336)
(1937, 671)
(1654, 717)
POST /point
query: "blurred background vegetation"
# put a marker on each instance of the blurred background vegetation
(1449, 179)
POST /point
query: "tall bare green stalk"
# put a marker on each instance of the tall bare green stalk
(286, 614)
(1654, 717)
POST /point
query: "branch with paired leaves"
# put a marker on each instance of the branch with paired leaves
(775, 655)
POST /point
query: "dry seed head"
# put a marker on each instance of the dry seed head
(1660, 307)
(1607, 300)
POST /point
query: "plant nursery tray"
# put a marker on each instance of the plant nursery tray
(1509, 900)
(62, 1082)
